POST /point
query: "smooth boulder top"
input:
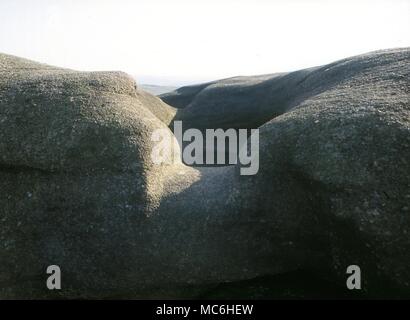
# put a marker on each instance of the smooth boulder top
(249, 102)
(59, 119)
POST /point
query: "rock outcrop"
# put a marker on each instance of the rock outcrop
(249, 102)
(347, 148)
(78, 187)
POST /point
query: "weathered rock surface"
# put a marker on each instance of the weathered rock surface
(75, 178)
(249, 102)
(78, 187)
(348, 149)
(161, 110)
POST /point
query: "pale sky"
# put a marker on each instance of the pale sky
(184, 41)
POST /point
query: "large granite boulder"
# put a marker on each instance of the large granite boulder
(77, 181)
(345, 152)
(334, 183)
(78, 187)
